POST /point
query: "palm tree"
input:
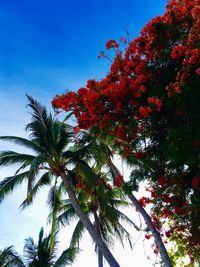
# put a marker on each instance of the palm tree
(163, 252)
(40, 254)
(10, 258)
(103, 156)
(50, 140)
(107, 219)
(104, 211)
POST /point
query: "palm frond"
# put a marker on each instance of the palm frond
(67, 257)
(22, 142)
(121, 232)
(9, 183)
(30, 250)
(54, 199)
(106, 231)
(8, 158)
(10, 258)
(83, 170)
(68, 215)
(126, 219)
(40, 126)
(44, 180)
(61, 135)
(39, 112)
(55, 202)
(34, 170)
(113, 170)
(67, 117)
(77, 234)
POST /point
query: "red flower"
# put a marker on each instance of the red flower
(178, 51)
(157, 102)
(79, 185)
(112, 44)
(152, 192)
(145, 112)
(168, 233)
(166, 198)
(155, 250)
(76, 129)
(177, 88)
(143, 201)
(119, 180)
(147, 236)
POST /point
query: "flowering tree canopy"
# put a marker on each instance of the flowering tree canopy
(148, 108)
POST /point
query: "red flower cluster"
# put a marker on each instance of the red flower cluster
(157, 102)
(166, 198)
(119, 180)
(145, 111)
(152, 90)
(112, 44)
(144, 201)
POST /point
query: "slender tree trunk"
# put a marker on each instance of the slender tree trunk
(100, 256)
(53, 224)
(100, 259)
(163, 252)
(87, 223)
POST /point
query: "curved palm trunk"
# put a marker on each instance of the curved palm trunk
(163, 252)
(100, 259)
(88, 225)
(100, 256)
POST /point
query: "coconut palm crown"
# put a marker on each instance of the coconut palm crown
(52, 159)
(40, 254)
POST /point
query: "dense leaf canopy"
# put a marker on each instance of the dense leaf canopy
(147, 108)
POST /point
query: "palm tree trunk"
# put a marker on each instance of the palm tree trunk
(87, 223)
(100, 256)
(53, 223)
(163, 252)
(100, 259)
(53, 232)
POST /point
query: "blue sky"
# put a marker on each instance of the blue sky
(53, 45)
(47, 47)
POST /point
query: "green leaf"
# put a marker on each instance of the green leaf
(77, 234)
(23, 142)
(9, 183)
(8, 158)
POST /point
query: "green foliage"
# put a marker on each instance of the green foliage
(10, 258)
(40, 254)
